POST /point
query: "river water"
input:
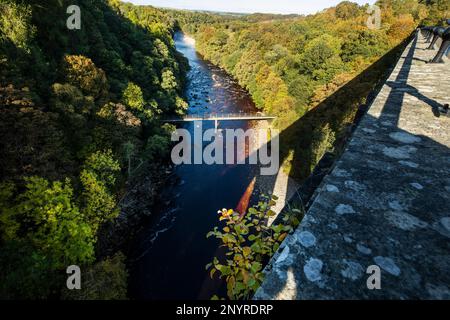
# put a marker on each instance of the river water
(172, 250)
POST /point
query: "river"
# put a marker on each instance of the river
(172, 250)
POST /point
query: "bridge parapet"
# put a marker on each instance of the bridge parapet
(385, 202)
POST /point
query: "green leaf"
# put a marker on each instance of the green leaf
(251, 283)
(277, 228)
(256, 247)
(256, 266)
(271, 213)
(229, 238)
(246, 251)
(239, 287)
(275, 247)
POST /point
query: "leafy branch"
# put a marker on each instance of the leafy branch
(249, 242)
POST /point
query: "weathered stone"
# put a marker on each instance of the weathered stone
(353, 270)
(363, 249)
(344, 209)
(387, 264)
(306, 239)
(312, 269)
(331, 188)
(386, 201)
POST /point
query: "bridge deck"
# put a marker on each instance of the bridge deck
(221, 117)
(385, 203)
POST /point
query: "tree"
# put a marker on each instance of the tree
(132, 97)
(31, 137)
(67, 98)
(364, 43)
(169, 82)
(98, 205)
(275, 54)
(157, 147)
(51, 222)
(301, 88)
(347, 10)
(321, 58)
(402, 27)
(42, 231)
(15, 25)
(104, 166)
(105, 280)
(81, 72)
(129, 150)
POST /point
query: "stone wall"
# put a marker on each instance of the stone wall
(384, 204)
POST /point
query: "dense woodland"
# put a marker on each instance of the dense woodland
(79, 111)
(300, 68)
(78, 116)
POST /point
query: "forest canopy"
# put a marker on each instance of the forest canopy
(293, 66)
(79, 110)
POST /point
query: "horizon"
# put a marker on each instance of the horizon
(236, 6)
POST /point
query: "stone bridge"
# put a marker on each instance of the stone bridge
(386, 202)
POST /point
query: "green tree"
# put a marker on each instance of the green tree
(42, 231)
(169, 82)
(105, 280)
(50, 221)
(347, 10)
(321, 58)
(15, 24)
(157, 147)
(98, 205)
(133, 97)
(364, 43)
(104, 166)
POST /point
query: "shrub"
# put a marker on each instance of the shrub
(249, 242)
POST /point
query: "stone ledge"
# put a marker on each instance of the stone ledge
(385, 203)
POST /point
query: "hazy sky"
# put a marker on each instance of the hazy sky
(249, 6)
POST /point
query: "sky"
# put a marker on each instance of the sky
(249, 6)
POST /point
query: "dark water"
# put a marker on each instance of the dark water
(172, 251)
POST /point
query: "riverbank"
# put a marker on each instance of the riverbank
(136, 206)
(175, 234)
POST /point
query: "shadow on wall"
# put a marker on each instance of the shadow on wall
(286, 280)
(329, 125)
(289, 281)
